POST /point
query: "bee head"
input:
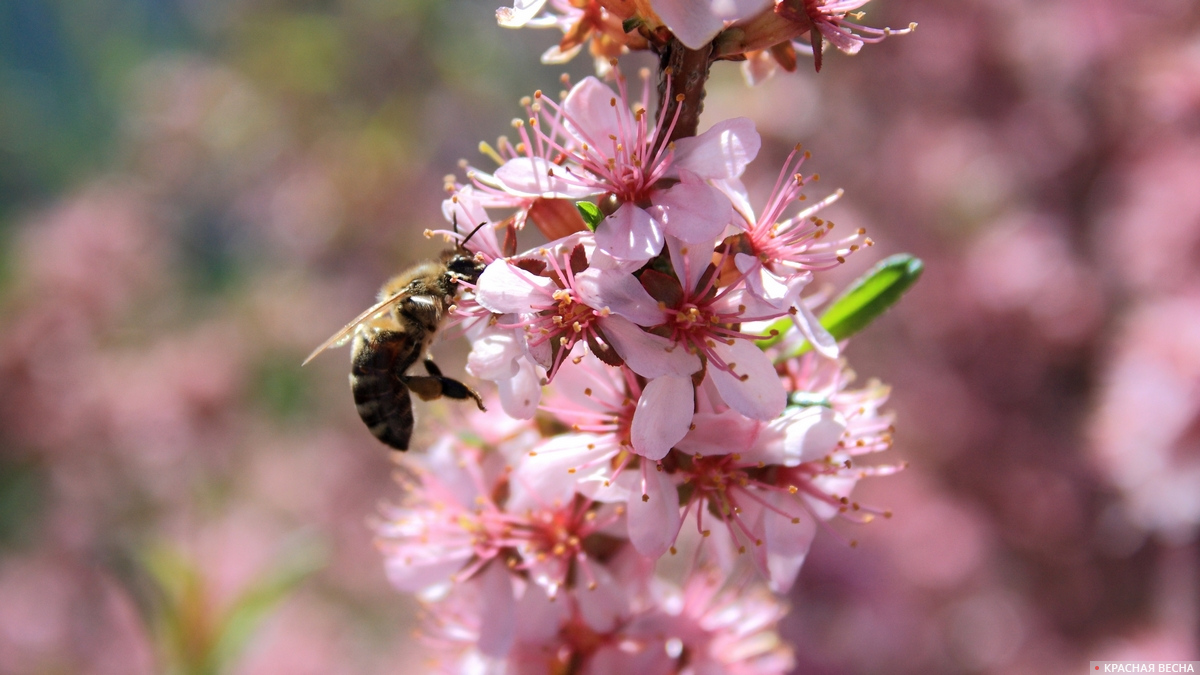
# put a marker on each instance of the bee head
(463, 265)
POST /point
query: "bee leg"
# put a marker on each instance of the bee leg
(435, 385)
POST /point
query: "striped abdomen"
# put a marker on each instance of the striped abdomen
(382, 399)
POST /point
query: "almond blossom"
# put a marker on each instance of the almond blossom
(646, 387)
(648, 189)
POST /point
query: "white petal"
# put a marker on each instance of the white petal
(663, 415)
(620, 292)
(694, 212)
(721, 152)
(646, 354)
(521, 393)
(505, 289)
(494, 355)
(519, 14)
(556, 55)
(756, 391)
(810, 434)
(654, 521)
(630, 234)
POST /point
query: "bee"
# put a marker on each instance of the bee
(390, 337)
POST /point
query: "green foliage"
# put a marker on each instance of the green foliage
(860, 304)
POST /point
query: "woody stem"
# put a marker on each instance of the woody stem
(688, 70)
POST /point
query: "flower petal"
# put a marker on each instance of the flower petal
(814, 332)
(500, 607)
(787, 543)
(721, 152)
(504, 288)
(536, 177)
(591, 115)
(495, 353)
(652, 512)
(630, 234)
(720, 433)
(694, 212)
(647, 354)
(755, 391)
(663, 415)
(692, 22)
(521, 393)
(620, 292)
(519, 14)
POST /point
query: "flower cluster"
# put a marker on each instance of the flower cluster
(763, 33)
(655, 397)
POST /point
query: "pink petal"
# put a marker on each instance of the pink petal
(691, 21)
(619, 292)
(843, 40)
(721, 152)
(545, 479)
(535, 177)
(759, 395)
(689, 261)
(497, 632)
(646, 354)
(541, 618)
(663, 415)
(630, 234)
(592, 117)
(719, 434)
(506, 289)
(786, 543)
(762, 282)
(605, 604)
(814, 332)
(694, 212)
(652, 512)
(424, 566)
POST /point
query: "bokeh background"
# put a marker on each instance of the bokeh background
(194, 193)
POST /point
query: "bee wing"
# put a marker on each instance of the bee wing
(340, 337)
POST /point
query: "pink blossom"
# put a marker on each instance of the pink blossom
(828, 17)
(697, 22)
(651, 190)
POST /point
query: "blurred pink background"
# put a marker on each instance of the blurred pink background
(194, 194)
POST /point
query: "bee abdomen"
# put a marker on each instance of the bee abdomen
(385, 407)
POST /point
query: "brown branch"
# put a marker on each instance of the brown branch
(688, 69)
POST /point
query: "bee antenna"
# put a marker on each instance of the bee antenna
(478, 227)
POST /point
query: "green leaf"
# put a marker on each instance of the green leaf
(591, 214)
(860, 304)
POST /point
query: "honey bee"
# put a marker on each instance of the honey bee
(390, 337)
